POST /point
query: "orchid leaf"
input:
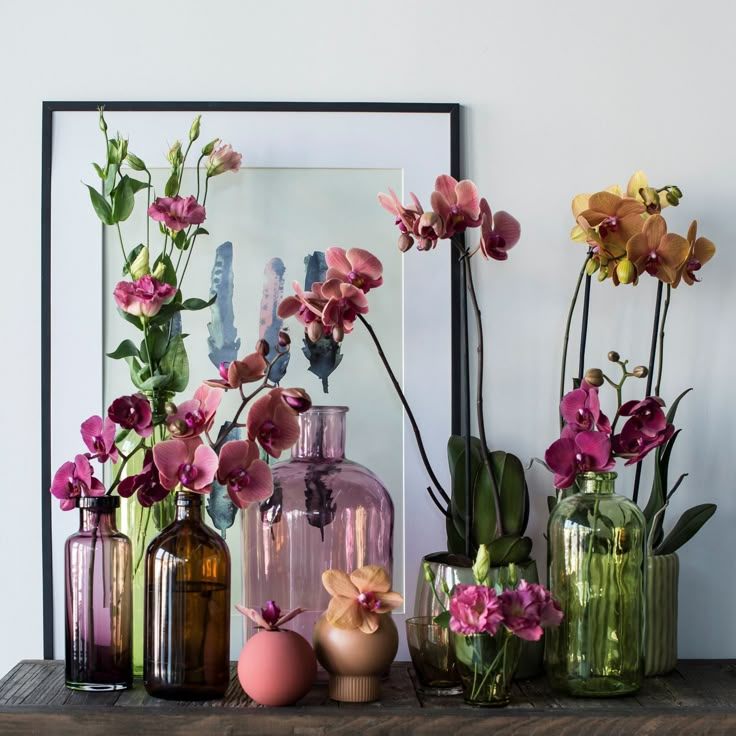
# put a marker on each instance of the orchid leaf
(100, 205)
(512, 490)
(176, 364)
(505, 550)
(484, 507)
(455, 540)
(687, 525)
(126, 349)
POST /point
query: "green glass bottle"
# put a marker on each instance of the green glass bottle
(596, 573)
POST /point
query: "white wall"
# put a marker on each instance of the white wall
(558, 98)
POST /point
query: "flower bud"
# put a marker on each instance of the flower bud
(594, 377)
(103, 124)
(194, 130)
(591, 266)
(672, 198)
(135, 163)
(428, 572)
(170, 408)
(481, 565)
(262, 347)
(603, 273)
(297, 399)
(641, 371)
(614, 357)
(677, 192)
(122, 147)
(140, 266)
(174, 156)
(159, 271)
(315, 330)
(626, 271)
(338, 333)
(284, 339)
(209, 147)
(405, 242)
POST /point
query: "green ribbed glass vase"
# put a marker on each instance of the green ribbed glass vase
(596, 573)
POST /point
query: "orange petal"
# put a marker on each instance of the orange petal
(604, 202)
(369, 624)
(338, 583)
(655, 228)
(389, 601)
(674, 250)
(580, 204)
(637, 249)
(704, 250)
(371, 579)
(629, 207)
(344, 613)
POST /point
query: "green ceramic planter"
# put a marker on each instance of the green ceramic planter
(660, 639)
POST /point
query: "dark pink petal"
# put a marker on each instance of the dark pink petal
(597, 446)
(560, 457)
(205, 461)
(467, 199)
(62, 482)
(234, 455)
(572, 404)
(507, 227)
(169, 455)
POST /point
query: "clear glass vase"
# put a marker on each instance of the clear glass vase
(596, 573)
(98, 599)
(325, 512)
(187, 608)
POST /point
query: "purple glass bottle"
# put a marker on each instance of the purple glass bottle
(97, 567)
(325, 512)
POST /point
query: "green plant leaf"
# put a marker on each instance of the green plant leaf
(200, 231)
(455, 540)
(443, 619)
(169, 274)
(673, 409)
(687, 526)
(99, 171)
(456, 459)
(484, 508)
(505, 550)
(180, 240)
(172, 185)
(108, 183)
(176, 364)
(123, 200)
(101, 205)
(512, 490)
(126, 349)
(136, 321)
(131, 258)
(136, 185)
(136, 370)
(159, 381)
(194, 304)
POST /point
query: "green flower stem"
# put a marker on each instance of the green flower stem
(118, 475)
(191, 245)
(661, 339)
(122, 249)
(412, 421)
(148, 206)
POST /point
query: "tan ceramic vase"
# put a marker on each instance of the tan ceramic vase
(355, 661)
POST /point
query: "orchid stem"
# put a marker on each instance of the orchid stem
(410, 416)
(661, 340)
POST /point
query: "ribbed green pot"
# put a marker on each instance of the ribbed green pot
(660, 639)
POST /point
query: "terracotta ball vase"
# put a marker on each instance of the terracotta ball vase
(354, 660)
(277, 667)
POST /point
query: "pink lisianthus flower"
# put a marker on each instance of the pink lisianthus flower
(475, 609)
(235, 374)
(577, 453)
(99, 436)
(187, 462)
(75, 479)
(344, 303)
(406, 217)
(223, 159)
(246, 477)
(143, 297)
(177, 213)
(581, 410)
(146, 485)
(307, 307)
(272, 423)
(498, 234)
(550, 613)
(456, 203)
(196, 415)
(132, 412)
(356, 266)
(521, 614)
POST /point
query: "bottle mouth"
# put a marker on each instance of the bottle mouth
(99, 503)
(327, 410)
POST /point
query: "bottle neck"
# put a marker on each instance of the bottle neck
(600, 483)
(95, 519)
(188, 506)
(321, 434)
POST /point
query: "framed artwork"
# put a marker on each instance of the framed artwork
(309, 180)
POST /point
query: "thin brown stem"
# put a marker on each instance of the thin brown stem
(661, 340)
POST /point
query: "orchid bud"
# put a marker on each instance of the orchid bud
(297, 399)
(591, 266)
(315, 330)
(482, 565)
(626, 271)
(672, 198)
(284, 339)
(640, 371)
(405, 242)
(262, 347)
(170, 408)
(135, 163)
(338, 333)
(179, 426)
(140, 266)
(677, 191)
(194, 130)
(594, 377)
(603, 273)
(614, 357)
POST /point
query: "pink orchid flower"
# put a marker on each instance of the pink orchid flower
(429, 229)
(406, 217)
(146, 485)
(498, 234)
(99, 436)
(132, 412)
(177, 213)
(475, 609)
(307, 307)
(344, 303)
(456, 203)
(196, 415)
(75, 479)
(583, 452)
(246, 477)
(223, 159)
(187, 462)
(581, 410)
(272, 423)
(646, 429)
(270, 617)
(357, 267)
(143, 297)
(235, 374)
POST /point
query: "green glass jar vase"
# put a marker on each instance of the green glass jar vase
(596, 573)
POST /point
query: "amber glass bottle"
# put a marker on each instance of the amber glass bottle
(187, 609)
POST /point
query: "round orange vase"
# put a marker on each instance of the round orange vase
(277, 667)
(354, 660)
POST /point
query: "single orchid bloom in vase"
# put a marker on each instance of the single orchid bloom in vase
(73, 480)
(188, 463)
(270, 617)
(246, 477)
(99, 436)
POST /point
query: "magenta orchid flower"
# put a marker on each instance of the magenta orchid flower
(187, 462)
(177, 213)
(498, 234)
(75, 479)
(646, 429)
(196, 415)
(99, 436)
(270, 617)
(143, 297)
(272, 423)
(236, 373)
(344, 303)
(132, 412)
(356, 266)
(246, 477)
(456, 203)
(581, 410)
(223, 159)
(580, 453)
(475, 609)
(146, 484)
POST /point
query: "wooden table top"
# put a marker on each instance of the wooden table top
(698, 698)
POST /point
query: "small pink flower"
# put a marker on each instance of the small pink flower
(147, 484)
(132, 412)
(235, 374)
(75, 479)
(99, 436)
(307, 307)
(550, 613)
(196, 415)
(144, 297)
(429, 229)
(272, 423)
(246, 477)
(577, 453)
(643, 432)
(186, 462)
(223, 159)
(498, 234)
(357, 267)
(581, 410)
(177, 213)
(344, 303)
(475, 609)
(456, 203)
(521, 614)
(406, 217)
